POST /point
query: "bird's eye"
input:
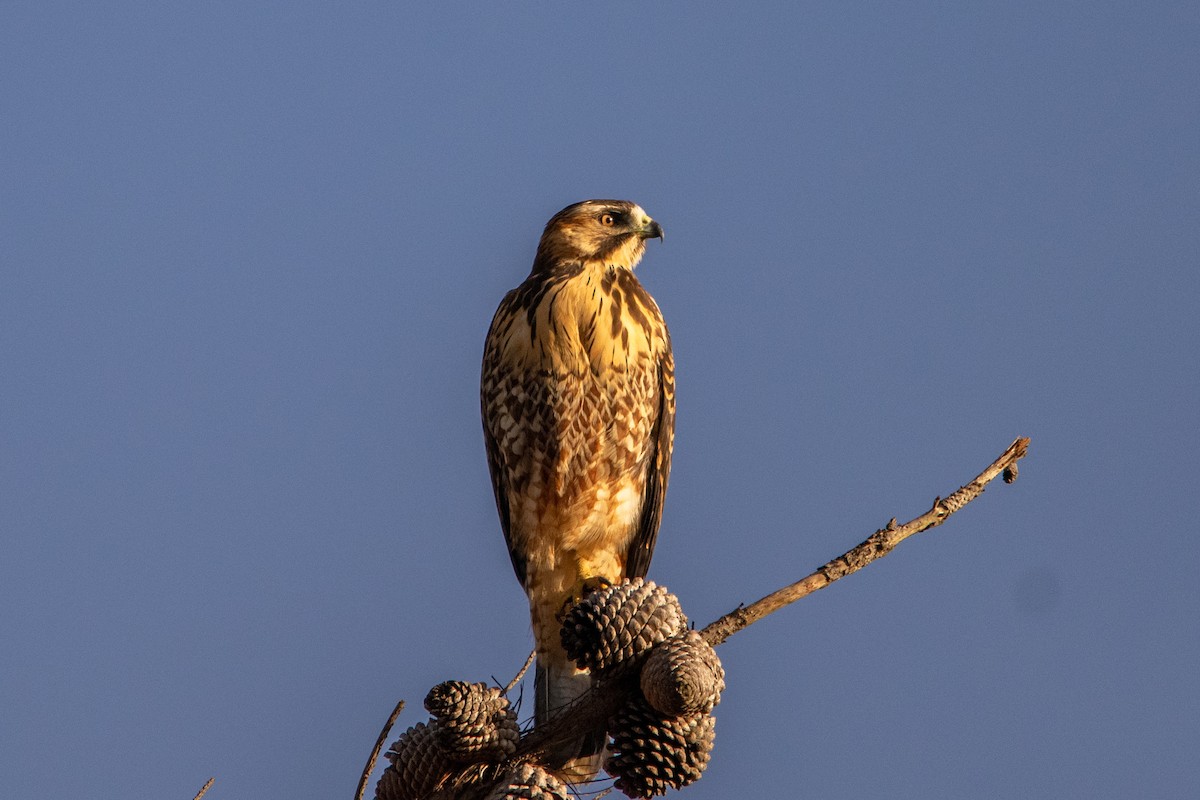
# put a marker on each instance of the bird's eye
(608, 220)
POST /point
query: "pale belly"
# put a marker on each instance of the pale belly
(599, 517)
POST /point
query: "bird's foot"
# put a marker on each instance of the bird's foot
(581, 590)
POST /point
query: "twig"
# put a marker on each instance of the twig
(521, 674)
(882, 542)
(370, 767)
(204, 789)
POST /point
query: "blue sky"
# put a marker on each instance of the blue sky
(248, 256)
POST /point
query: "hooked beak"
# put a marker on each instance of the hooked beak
(651, 230)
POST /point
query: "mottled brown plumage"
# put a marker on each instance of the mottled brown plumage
(578, 399)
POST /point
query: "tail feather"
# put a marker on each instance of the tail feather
(556, 686)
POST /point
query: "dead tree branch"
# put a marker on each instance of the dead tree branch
(204, 789)
(379, 742)
(880, 543)
(521, 673)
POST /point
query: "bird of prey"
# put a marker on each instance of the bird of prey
(578, 400)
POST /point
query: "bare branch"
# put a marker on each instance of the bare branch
(880, 543)
(370, 767)
(204, 789)
(521, 674)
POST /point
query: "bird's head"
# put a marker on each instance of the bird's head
(610, 231)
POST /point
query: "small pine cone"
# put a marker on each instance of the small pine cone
(529, 782)
(447, 696)
(418, 765)
(683, 676)
(472, 721)
(651, 754)
(612, 628)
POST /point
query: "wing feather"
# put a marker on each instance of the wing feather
(658, 469)
(492, 377)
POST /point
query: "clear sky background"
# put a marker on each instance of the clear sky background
(248, 256)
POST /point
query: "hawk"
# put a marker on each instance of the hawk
(578, 401)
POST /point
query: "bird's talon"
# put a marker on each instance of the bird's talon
(581, 591)
(593, 584)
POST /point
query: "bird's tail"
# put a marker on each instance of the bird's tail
(557, 685)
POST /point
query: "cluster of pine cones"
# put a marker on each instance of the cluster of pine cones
(660, 740)
(470, 723)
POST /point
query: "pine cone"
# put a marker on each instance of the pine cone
(612, 628)
(418, 765)
(651, 754)
(683, 676)
(472, 721)
(529, 782)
